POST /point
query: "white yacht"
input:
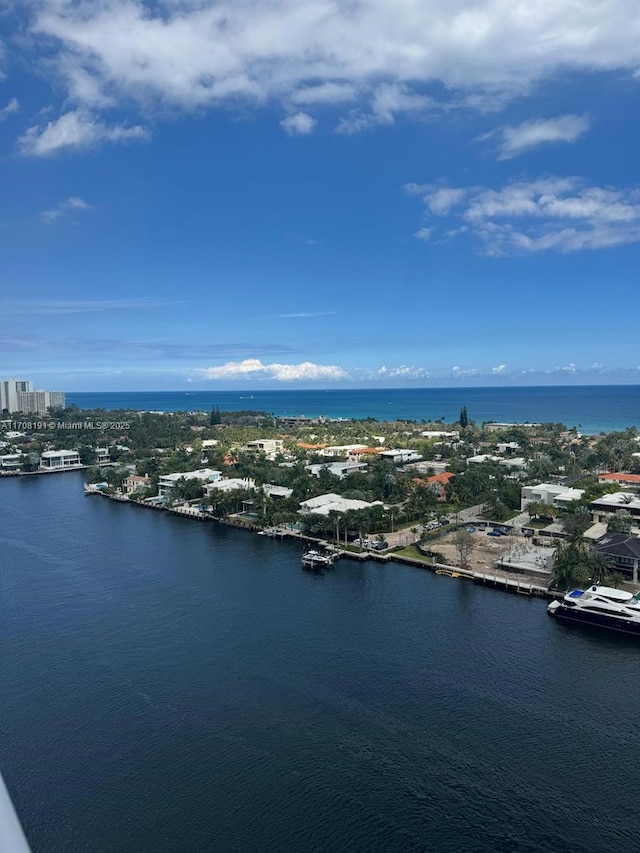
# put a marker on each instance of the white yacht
(601, 606)
(313, 559)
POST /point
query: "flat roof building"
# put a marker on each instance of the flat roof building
(59, 460)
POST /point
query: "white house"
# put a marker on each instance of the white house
(441, 433)
(167, 482)
(325, 504)
(272, 491)
(266, 445)
(482, 459)
(229, 484)
(339, 469)
(342, 449)
(11, 461)
(400, 456)
(507, 447)
(517, 462)
(102, 454)
(59, 460)
(550, 494)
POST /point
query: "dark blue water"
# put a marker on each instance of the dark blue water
(169, 685)
(591, 408)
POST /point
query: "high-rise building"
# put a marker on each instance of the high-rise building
(17, 395)
(39, 402)
(9, 391)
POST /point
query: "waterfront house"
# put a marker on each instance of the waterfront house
(102, 455)
(135, 483)
(59, 460)
(623, 551)
(11, 461)
(229, 484)
(167, 482)
(325, 504)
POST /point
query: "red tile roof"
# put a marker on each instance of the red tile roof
(621, 478)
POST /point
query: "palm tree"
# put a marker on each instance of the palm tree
(571, 564)
(599, 565)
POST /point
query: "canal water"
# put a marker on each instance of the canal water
(171, 685)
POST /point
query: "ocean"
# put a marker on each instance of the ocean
(590, 408)
(172, 686)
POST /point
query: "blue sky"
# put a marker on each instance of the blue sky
(331, 193)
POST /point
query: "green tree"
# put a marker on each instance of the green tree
(187, 489)
(620, 522)
(570, 565)
(87, 454)
(464, 544)
(577, 522)
(464, 418)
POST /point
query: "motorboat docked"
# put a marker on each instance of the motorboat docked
(601, 606)
(313, 559)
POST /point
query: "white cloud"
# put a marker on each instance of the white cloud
(253, 368)
(64, 208)
(548, 214)
(28, 307)
(424, 234)
(387, 100)
(442, 200)
(75, 129)
(12, 107)
(400, 372)
(515, 139)
(325, 93)
(299, 124)
(190, 54)
(460, 372)
(499, 370)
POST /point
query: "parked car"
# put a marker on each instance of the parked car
(494, 533)
(378, 546)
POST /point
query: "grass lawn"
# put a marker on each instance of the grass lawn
(412, 551)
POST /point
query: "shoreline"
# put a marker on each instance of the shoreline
(496, 579)
(591, 409)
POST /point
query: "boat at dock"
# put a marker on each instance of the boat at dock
(315, 560)
(601, 607)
